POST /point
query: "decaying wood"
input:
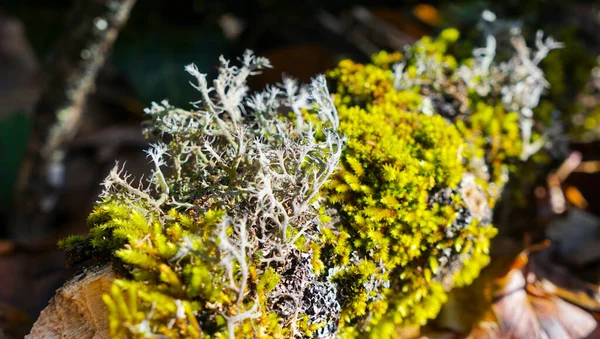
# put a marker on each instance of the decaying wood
(77, 311)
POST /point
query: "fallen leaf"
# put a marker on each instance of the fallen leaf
(428, 14)
(578, 297)
(515, 314)
(559, 319)
(559, 281)
(525, 310)
(509, 300)
(574, 196)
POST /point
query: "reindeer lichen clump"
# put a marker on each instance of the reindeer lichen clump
(294, 213)
(225, 240)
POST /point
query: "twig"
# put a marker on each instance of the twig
(80, 53)
(364, 30)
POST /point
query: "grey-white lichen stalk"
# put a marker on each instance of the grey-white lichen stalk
(519, 80)
(265, 169)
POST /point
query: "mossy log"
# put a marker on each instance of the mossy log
(354, 213)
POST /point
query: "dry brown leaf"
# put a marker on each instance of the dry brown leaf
(428, 14)
(557, 280)
(560, 319)
(578, 297)
(515, 314)
(509, 300)
(525, 310)
(574, 196)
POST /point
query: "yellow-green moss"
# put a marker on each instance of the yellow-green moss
(163, 282)
(395, 160)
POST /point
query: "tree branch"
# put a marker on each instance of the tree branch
(91, 30)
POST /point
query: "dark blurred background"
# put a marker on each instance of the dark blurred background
(301, 38)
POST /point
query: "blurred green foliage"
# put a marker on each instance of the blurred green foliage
(14, 133)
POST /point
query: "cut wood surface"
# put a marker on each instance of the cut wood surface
(77, 310)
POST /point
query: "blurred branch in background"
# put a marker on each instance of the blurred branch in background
(91, 30)
(362, 28)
